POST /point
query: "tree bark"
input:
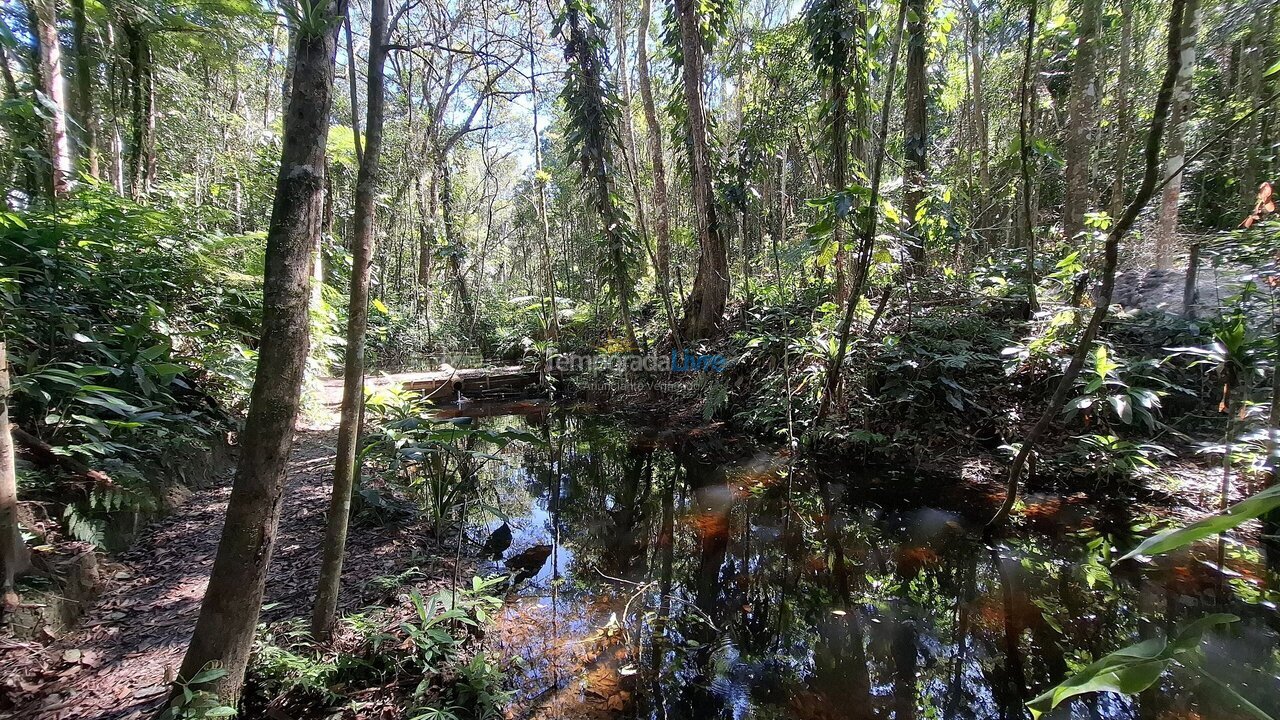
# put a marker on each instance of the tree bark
(704, 308)
(15, 558)
(867, 240)
(44, 16)
(840, 173)
(544, 222)
(1026, 114)
(229, 613)
(352, 85)
(1181, 12)
(457, 250)
(661, 206)
(915, 128)
(142, 109)
(981, 129)
(362, 245)
(1081, 121)
(1123, 111)
(1166, 230)
(84, 91)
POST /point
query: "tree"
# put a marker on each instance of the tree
(44, 19)
(1180, 17)
(540, 181)
(1026, 115)
(867, 239)
(593, 115)
(832, 26)
(15, 558)
(1123, 103)
(704, 308)
(229, 613)
(363, 238)
(661, 204)
(915, 125)
(1166, 230)
(84, 90)
(1081, 125)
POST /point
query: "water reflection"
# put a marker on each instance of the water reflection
(679, 587)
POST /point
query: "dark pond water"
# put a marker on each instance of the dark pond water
(678, 587)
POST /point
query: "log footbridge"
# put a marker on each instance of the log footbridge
(507, 382)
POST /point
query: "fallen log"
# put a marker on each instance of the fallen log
(44, 456)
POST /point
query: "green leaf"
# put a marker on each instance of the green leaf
(1238, 514)
(1129, 670)
(208, 676)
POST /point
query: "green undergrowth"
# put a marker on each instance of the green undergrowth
(422, 653)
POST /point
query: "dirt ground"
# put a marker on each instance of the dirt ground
(116, 662)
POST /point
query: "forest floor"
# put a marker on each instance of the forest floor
(116, 662)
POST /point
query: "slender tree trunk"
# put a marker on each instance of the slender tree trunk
(544, 222)
(840, 174)
(15, 558)
(661, 207)
(981, 130)
(429, 208)
(915, 128)
(457, 250)
(867, 240)
(362, 245)
(1123, 111)
(1181, 11)
(353, 85)
(84, 90)
(1166, 230)
(1026, 113)
(704, 309)
(229, 613)
(44, 15)
(1081, 121)
(141, 110)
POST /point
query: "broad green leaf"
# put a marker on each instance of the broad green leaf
(1238, 514)
(1129, 670)
(208, 676)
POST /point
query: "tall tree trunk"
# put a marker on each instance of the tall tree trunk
(429, 212)
(1081, 121)
(1180, 15)
(84, 90)
(1026, 116)
(142, 110)
(229, 613)
(457, 250)
(44, 16)
(661, 207)
(544, 222)
(704, 308)
(915, 127)
(1123, 110)
(867, 239)
(981, 129)
(352, 86)
(1166, 230)
(15, 558)
(840, 173)
(362, 245)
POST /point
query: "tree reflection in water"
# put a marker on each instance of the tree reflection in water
(680, 588)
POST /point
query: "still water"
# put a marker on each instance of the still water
(687, 584)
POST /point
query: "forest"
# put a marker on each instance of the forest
(603, 359)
